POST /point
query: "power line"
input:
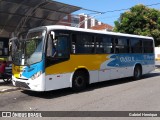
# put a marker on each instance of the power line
(110, 11)
(108, 17)
(153, 4)
(117, 10)
(128, 8)
(95, 12)
(123, 10)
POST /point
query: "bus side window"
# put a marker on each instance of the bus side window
(104, 44)
(62, 47)
(99, 45)
(136, 45)
(148, 46)
(121, 45)
(58, 47)
(74, 39)
(108, 44)
(82, 44)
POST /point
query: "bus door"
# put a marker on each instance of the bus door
(57, 52)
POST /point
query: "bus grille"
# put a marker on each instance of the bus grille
(22, 85)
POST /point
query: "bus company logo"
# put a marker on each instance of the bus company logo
(6, 114)
(127, 59)
(148, 57)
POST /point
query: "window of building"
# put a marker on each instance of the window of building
(74, 21)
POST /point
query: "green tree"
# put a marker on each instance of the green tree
(140, 20)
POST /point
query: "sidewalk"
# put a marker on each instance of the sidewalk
(7, 87)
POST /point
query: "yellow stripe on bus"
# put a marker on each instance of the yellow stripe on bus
(90, 62)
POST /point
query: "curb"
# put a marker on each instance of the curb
(9, 89)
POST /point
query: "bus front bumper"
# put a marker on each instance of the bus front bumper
(35, 85)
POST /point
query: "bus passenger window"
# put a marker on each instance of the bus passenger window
(82, 44)
(121, 45)
(74, 39)
(148, 46)
(99, 45)
(62, 47)
(108, 45)
(136, 46)
(58, 47)
(104, 44)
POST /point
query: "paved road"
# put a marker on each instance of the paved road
(118, 95)
(157, 64)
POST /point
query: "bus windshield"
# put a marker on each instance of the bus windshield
(17, 51)
(29, 50)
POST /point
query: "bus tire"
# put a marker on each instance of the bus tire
(79, 82)
(137, 72)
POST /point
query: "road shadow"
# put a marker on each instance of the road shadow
(157, 66)
(150, 75)
(2, 83)
(68, 91)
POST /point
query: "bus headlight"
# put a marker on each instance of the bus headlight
(36, 75)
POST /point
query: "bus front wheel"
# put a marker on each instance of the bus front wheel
(79, 81)
(137, 72)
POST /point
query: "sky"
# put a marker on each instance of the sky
(108, 5)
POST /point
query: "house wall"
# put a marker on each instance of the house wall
(74, 20)
(157, 53)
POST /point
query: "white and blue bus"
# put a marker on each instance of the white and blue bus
(55, 57)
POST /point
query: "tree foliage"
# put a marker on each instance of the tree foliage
(140, 20)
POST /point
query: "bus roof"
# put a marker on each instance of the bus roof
(60, 27)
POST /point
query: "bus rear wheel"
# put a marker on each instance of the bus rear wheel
(137, 72)
(79, 81)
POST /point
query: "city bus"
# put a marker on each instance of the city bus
(55, 57)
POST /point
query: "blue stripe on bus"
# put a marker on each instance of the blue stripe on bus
(29, 71)
(123, 60)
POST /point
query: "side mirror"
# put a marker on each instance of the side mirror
(53, 35)
(51, 50)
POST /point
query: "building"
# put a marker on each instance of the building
(104, 27)
(82, 21)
